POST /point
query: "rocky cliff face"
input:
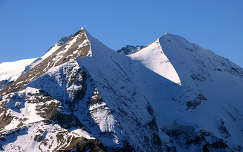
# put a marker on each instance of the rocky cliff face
(170, 96)
(11, 71)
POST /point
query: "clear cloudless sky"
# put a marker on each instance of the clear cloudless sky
(29, 27)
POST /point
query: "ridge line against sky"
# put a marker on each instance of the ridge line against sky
(29, 28)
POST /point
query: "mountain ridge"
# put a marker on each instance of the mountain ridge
(54, 56)
(86, 96)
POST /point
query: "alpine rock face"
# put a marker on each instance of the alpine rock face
(81, 95)
(11, 71)
(129, 49)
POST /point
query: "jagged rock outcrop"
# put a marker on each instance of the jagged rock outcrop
(129, 49)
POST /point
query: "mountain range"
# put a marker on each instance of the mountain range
(170, 96)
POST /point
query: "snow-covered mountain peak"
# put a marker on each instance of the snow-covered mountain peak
(17, 68)
(173, 37)
(78, 45)
(172, 95)
(155, 59)
(82, 28)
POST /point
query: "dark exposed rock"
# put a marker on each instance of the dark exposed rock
(223, 130)
(5, 119)
(187, 137)
(198, 77)
(129, 49)
(196, 101)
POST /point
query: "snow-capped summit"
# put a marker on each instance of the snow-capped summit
(172, 95)
(211, 84)
(155, 59)
(77, 46)
(82, 28)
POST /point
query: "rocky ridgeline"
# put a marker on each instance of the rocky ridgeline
(87, 97)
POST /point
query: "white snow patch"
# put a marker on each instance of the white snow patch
(13, 125)
(12, 70)
(82, 133)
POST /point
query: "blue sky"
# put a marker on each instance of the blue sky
(28, 28)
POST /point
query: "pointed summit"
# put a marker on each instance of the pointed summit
(77, 46)
(154, 58)
(82, 28)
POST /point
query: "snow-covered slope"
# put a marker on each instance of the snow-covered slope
(56, 46)
(170, 96)
(153, 58)
(10, 71)
(211, 84)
